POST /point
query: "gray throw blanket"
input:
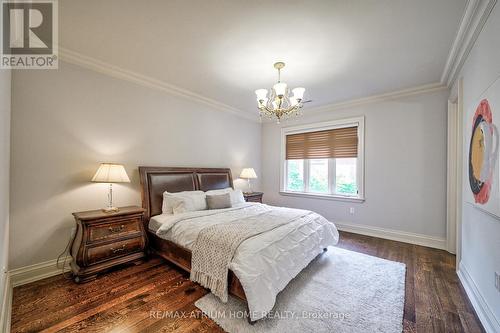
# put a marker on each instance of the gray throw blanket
(215, 246)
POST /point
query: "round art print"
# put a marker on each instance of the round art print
(482, 152)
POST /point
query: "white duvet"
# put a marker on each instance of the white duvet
(264, 264)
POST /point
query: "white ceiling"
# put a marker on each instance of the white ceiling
(224, 49)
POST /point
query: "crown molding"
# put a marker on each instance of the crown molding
(424, 89)
(418, 90)
(475, 16)
(146, 81)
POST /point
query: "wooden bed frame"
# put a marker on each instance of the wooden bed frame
(155, 181)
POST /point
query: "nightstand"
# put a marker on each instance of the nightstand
(253, 196)
(105, 240)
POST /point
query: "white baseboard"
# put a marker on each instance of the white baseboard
(6, 306)
(396, 235)
(36, 272)
(20, 276)
(483, 311)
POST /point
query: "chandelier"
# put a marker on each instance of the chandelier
(280, 104)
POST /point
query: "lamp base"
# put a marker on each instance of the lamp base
(110, 209)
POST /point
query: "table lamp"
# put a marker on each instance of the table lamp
(111, 173)
(248, 173)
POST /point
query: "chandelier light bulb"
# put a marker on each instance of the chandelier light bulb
(280, 88)
(298, 93)
(261, 94)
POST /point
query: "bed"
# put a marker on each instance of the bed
(174, 245)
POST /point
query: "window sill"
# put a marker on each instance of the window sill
(323, 196)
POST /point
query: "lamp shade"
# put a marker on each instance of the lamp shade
(280, 88)
(298, 93)
(248, 173)
(111, 173)
(261, 94)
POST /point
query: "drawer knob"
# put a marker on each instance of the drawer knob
(118, 249)
(116, 229)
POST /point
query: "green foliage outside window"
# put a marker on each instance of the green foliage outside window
(347, 188)
(318, 185)
(295, 180)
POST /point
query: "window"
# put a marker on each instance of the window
(324, 160)
(318, 175)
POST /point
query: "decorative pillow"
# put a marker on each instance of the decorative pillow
(236, 195)
(181, 202)
(219, 201)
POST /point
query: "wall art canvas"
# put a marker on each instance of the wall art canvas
(483, 171)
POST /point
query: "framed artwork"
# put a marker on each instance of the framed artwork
(483, 172)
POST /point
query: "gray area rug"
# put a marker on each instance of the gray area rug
(340, 291)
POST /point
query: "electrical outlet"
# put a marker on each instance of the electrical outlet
(351, 210)
(497, 281)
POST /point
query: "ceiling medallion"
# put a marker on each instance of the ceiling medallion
(280, 105)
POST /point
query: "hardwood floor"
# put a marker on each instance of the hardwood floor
(137, 298)
(435, 300)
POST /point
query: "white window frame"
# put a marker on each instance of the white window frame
(323, 126)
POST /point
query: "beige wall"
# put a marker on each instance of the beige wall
(5, 83)
(405, 166)
(67, 121)
(480, 230)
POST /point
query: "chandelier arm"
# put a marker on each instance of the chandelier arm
(280, 110)
(268, 110)
(293, 109)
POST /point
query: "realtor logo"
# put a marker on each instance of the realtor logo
(29, 34)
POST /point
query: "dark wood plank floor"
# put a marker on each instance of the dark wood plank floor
(127, 300)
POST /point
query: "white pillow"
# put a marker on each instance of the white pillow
(236, 195)
(181, 202)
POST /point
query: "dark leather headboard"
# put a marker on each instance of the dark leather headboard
(156, 180)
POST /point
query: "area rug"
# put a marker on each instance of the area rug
(340, 291)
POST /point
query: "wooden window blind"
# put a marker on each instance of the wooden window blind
(334, 143)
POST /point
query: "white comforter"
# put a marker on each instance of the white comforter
(264, 264)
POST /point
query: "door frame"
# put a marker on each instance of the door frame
(451, 183)
(454, 190)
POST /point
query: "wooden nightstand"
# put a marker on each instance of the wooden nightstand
(253, 196)
(104, 240)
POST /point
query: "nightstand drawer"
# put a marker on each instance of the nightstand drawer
(253, 196)
(116, 229)
(104, 252)
(254, 199)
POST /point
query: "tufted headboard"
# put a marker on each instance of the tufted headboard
(156, 180)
